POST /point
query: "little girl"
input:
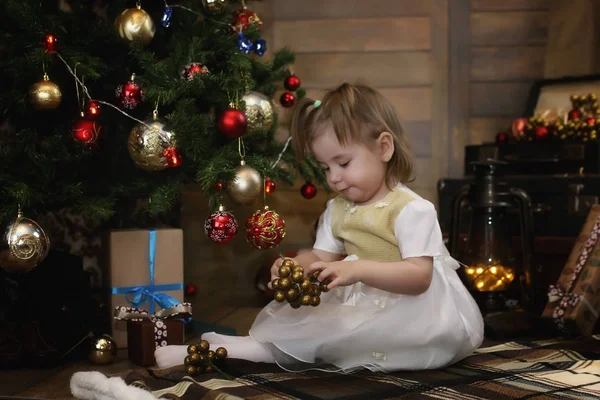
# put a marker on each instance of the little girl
(395, 302)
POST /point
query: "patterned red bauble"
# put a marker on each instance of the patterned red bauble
(189, 289)
(265, 229)
(192, 69)
(220, 226)
(173, 157)
(270, 186)
(93, 109)
(292, 83)
(50, 43)
(308, 190)
(85, 131)
(287, 99)
(130, 94)
(574, 114)
(232, 123)
(518, 127)
(244, 18)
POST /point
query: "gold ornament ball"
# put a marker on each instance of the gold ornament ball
(221, 352)
(24, 245)
(45, 95)
(215, 7)
(246, 185)
(258, 111)
(103, 350)
(135, 25)
(147, 145)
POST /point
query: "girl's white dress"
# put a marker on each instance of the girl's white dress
(360, 326)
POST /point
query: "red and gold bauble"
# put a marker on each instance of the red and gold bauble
(85, 130)
(189, 289)
(292, 83)
(287, 99)
(192, 69)
(50, 43)
(130, 94)
(308, 190)
(221, 226)
(243, 19)
(270, 186)
(265, 229)
(45, 95)
(232, 123)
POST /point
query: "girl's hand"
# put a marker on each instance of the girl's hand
(340, 273)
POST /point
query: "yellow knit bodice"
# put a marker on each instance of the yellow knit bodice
(367, 231)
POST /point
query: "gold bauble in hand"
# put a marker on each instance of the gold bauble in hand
(147, 144)
(135, 25)
(214, 7)
(24, 245)
(103, 350)
(45, 95)
(246, 185)
(258, 111)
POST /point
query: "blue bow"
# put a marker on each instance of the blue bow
(140, 295)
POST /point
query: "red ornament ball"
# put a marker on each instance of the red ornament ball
(50, 43)
(93, 109)
(221, 226)
(574, 114)
(270, 186)
(265, 229)
(173, 157)
(218, 186)
(130, 94)
(308, 190)
(85, 131)
(292, 83)
(502, 138)
(518, 127)
(232, 123)
(244, 18)
(190, 289)
(287, 99)
(192, 69)
(541, 132)
(591, 121)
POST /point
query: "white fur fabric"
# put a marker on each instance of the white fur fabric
(97, 386)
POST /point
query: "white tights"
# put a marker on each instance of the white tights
(242, 347)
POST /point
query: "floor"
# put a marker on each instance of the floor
(216, 307)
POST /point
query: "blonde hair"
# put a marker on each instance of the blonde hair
(357, 114)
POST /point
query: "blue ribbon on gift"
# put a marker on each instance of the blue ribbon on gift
(140, 295)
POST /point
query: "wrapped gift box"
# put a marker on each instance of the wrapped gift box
(143, 338)
(574, 302)
(143, 265)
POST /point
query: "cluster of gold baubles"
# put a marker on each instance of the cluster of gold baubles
(201, 359)
(292, 286)
(23, 246)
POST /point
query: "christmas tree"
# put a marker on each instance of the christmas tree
(110, 101)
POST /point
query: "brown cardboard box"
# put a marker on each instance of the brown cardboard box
(141, 339)
(575, 303)
(128, 266)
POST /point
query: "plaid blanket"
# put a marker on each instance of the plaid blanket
(550, 369)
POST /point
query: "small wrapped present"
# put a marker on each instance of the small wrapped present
(146, 332)
(145, 272)
(574, 302)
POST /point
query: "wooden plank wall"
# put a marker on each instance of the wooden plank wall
(397, 46)
(507, 46)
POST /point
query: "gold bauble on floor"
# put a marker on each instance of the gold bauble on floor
(103, 350)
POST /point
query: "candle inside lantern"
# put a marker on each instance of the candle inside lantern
(490, 278)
